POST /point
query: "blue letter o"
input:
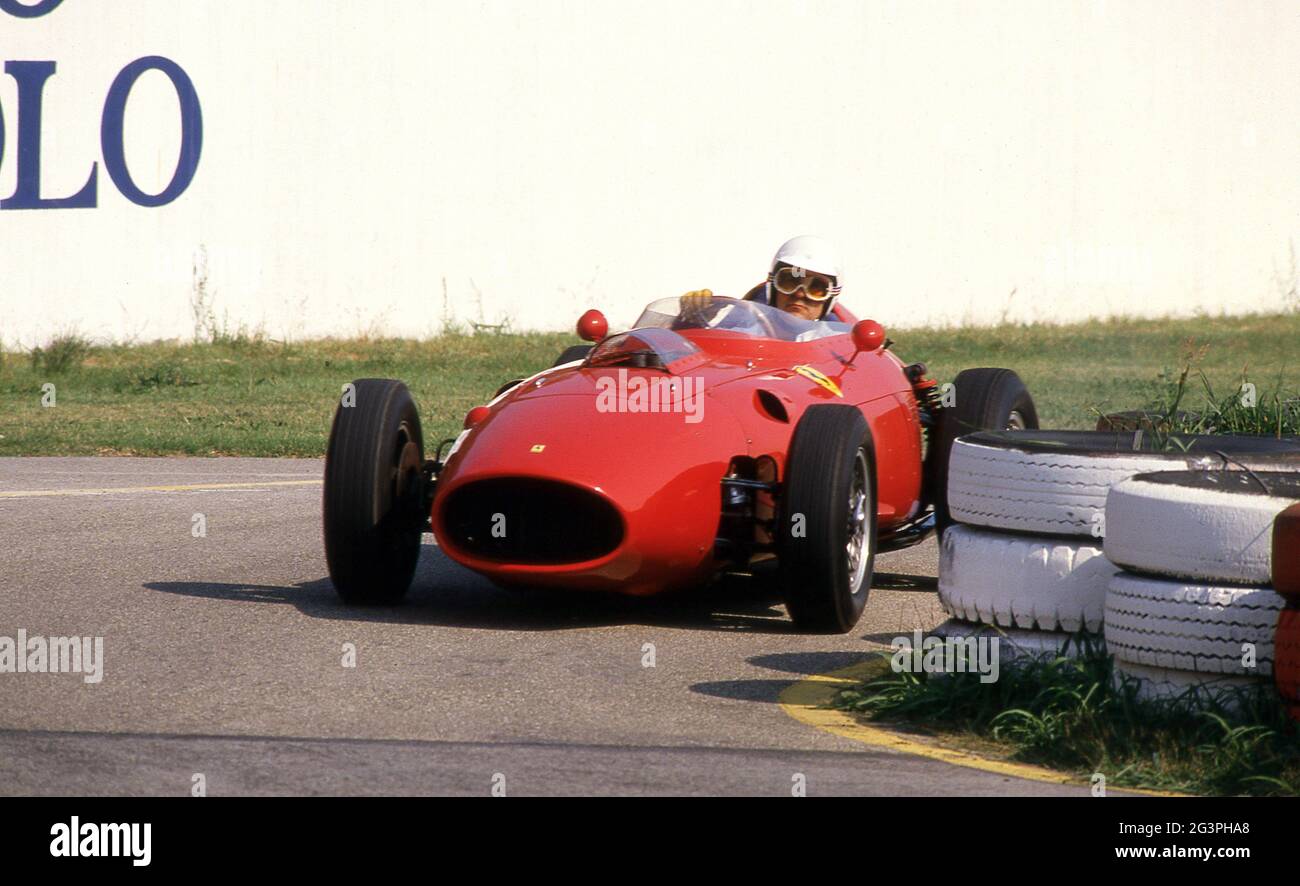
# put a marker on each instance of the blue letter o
(22, 10)
(112, 140)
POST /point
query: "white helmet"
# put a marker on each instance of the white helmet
(811, 253)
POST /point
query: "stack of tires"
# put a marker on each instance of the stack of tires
(1194, 605)
(1022, 550)
(973, 584)
(1023, 555)
(1286, 581)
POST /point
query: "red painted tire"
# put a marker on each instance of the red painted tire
(1286, 658)
(1286, 553)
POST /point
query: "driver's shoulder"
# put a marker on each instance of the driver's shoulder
(758, 293)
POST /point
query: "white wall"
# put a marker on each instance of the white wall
(1095, 157)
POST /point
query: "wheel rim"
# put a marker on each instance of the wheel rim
(1015, 421)
(405, 474)
(858, 548)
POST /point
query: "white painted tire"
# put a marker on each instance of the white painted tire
(1047, 584)
(1016, 644)
(1055, 482)
(1163, 684)
(1187, 627)
(1213, 526)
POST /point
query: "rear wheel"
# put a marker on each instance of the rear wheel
(374, 492)
(985, 400)
(826, 542)
(507, 386)
(571, 353)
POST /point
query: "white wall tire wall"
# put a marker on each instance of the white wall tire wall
(1056, 482)
(1195, 628)
(1213, 526)
(1017, 581)
(1163, 684)
(1016, 644)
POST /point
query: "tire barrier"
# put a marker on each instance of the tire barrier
(1212, 526)
(1197, 629)
(1056, 482)
(1028, 582)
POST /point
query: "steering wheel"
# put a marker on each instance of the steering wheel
(740, 317)
(760, 317)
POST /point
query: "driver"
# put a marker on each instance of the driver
(803, 281)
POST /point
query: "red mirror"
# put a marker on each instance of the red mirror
(868, 335)
(592, 326)
(476, 415)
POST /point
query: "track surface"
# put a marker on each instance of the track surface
(223, 656)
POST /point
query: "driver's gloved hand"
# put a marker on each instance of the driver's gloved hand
(695, 306)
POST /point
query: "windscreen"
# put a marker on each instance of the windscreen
(750, 318)
(646, 348)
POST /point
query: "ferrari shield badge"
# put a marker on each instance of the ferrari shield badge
(820, 378)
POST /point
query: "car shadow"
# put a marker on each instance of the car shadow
(802, 664)
(900, 581)
(445, 594)
(808, 664)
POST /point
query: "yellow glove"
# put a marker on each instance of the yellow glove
(694, 306)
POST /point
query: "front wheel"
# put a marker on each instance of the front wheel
(826, 543)
(374, 492)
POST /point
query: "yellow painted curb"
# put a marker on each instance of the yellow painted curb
(809, 701)
(195, 487)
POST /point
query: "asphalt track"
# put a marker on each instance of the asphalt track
(223, 656)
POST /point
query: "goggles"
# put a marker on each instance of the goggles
(816, 287)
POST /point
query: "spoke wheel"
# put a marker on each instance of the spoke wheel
(826, 536)
(858, 550)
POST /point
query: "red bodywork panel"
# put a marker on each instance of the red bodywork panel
(662, 473)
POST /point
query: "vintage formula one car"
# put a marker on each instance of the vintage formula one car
(707, 439)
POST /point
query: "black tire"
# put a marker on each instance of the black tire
(986, 400)
(571, 353)
(831, 455)
(374, 493)
(507, 386)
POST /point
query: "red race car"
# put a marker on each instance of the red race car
(714, 435)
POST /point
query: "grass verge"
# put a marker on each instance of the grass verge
(245, 396)
(238, 395)
(1068, 714)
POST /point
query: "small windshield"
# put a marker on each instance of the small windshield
(750, 318)
(647, 348)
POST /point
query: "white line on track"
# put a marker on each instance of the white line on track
(193, 487)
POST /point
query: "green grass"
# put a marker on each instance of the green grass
(249, 396)
(1078, 371)
(1067, 714)
(61, 353)
(246, 396)
(1244, 409)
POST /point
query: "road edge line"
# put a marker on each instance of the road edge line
(118, 490)
(809, 702)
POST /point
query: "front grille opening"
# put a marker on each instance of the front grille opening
(524, 520)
